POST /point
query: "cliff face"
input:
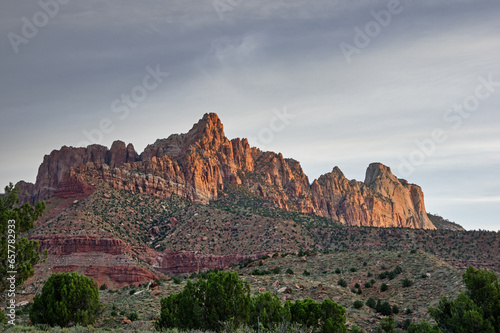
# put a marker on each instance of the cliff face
(199, 164)
(54, 168)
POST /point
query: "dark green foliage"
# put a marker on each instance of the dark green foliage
(353, 269)
(476, 310)
(384, 308)
(176, 280)
(328, 314)
(342, 283)
(3, 318)
(358, 304)
(484, 290)
(407, 283)
(289, 271)
(386, 326)
(460, 315)
(395, 309)
(66, 299)
(207, 304)
(383, 287)
(390, 274)
(338, 271)
(267, 310)
(131, 292)
(306, 273)
(26, 256)
(423, 327)
(224, 299)
(103, 287)
(371, 303)
(133, 316)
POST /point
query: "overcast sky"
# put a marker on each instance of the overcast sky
(412, 84)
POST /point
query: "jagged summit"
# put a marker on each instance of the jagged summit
(200, 164)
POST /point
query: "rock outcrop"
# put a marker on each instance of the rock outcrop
(199, 165)
(190, 262)
(107, 260)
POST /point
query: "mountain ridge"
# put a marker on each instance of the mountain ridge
(197, 166)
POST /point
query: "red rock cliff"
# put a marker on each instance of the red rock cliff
(199, 164)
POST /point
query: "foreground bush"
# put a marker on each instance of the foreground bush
(223, 302)
(67, 299)
(207, 304)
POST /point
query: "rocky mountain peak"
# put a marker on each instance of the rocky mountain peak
(200, 164)
(377, 172)
(207, 133)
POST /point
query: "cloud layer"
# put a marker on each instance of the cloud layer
(413, 66)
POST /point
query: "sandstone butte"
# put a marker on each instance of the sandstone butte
(197, 166)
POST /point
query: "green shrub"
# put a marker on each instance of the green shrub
(66, 298)
(289, 271)
(267, 310)
(358, 304)
(476, 310)
(328, 314)
(103, 287)
(384, 308)
(306, 273)
(207, 304)
(383, 287)
(223, 303)
(133, 316)
(371, 303)
(342, 283)
(407, 283)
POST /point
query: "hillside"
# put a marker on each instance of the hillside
(121, 238)
(315, 276)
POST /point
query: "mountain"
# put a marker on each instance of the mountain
(199, 201)
(201, 164)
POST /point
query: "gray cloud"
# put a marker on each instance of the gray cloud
(265, 56)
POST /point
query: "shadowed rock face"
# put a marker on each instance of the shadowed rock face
(199, 164)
